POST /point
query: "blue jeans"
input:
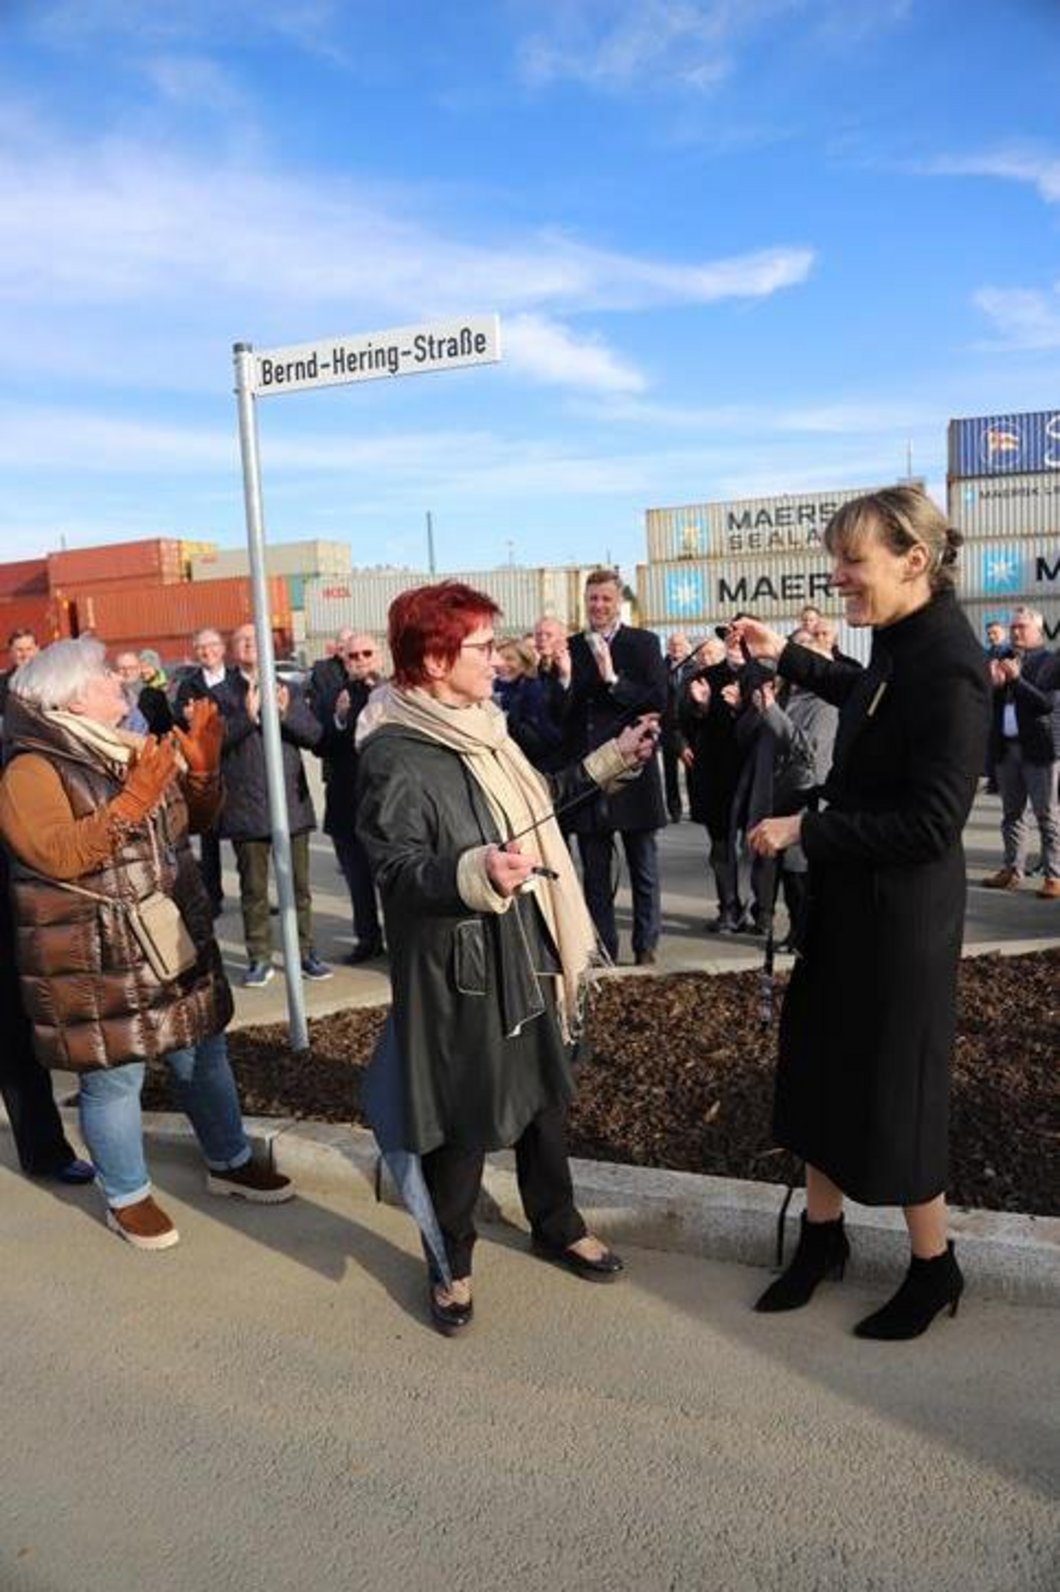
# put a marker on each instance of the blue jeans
(643, 864)
(112, 1123)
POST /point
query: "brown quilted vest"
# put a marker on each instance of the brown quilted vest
(86, 986)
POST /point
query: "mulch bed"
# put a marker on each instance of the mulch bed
(681, 1077)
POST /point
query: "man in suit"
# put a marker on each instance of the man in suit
(617, 675)
(206, 679)
(678, 667)
(1025, 752)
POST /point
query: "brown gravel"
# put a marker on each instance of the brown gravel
(682, 1078)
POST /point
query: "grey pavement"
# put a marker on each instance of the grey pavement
(264, 1407)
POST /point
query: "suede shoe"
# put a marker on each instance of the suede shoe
(144, 1225)
(1003, 879)
(1050, 890)
(258, 974)
(645, 958)
(258, 1184)
(314, 969)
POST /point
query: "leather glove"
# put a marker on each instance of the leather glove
(203, 739)
(145, 784)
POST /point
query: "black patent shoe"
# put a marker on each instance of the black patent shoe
(822, 1252)
(452, 1318)
(928, 1287)
(364, 951)
(604, 1268)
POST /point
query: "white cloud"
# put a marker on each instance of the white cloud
(645, 45)
(547, 351)
(1036, 167)
(1025, 318)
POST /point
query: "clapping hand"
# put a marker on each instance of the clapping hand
(150, 773)
(203, 739)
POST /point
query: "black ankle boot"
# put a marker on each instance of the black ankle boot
(822, 1252)
(929, 1286)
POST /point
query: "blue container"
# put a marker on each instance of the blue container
(1005, 444)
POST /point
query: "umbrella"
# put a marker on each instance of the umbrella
(383, 1101)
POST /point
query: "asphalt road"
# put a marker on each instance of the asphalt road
(264, 1407)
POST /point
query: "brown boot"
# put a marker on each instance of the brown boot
(1050, 890)
(144, 1225)
(1003, 879)
(259, 1184)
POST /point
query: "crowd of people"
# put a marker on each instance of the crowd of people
(462, 772)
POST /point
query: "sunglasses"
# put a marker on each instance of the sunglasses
(369, 654)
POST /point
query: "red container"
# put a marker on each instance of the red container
(161, 560)
(27, 578)
(39, 614)
(115, 613)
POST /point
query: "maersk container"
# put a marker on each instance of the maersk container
(177, 610)
(1005, 444)
(787, 523)
(708, 590)
(26, 578)
(1006, 505)
(990, 611)
(281, 558)
(1020, 569)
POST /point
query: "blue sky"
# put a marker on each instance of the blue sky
(737, 247)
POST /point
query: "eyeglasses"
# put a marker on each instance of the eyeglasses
(485, 647)
(369, 654)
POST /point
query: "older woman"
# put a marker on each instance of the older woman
(867, 1031)
(116, 950)
(489, 936)
(523, 699)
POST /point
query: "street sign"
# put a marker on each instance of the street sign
(370, 356)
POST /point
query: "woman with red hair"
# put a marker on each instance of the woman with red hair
(490, 939)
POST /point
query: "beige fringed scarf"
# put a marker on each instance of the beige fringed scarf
(517, 796)
(113, 746)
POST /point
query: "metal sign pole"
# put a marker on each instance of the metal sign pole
(270, 717)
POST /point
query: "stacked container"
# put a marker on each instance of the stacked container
(361, 599)
(765, 556)
(1003, 493)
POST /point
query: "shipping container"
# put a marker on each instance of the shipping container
(1005, 444)
(39, 613)
(160, 560)
(1007, 505)
(773, 525)
(281, 558)
(361, 600)
(26, 578)
(1021, 569)
(176, 610)
(705, 590)
(986, 612)
(357, 601)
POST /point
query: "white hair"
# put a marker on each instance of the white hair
(1031, 615)
(58, 675)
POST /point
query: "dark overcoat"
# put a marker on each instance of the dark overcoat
(717, 751)
(869, 1019)
(597, 712)
(480, 1048)
(245, 815)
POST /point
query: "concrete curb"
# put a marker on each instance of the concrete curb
(1008, 1256)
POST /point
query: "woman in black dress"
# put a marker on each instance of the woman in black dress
(868, 1025)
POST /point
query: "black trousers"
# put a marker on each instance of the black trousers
(454, 1176)
(25, 1085)
(210, 866)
